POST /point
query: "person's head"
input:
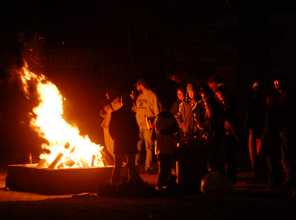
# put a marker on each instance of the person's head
(280, 83)
(256, 89)
(213, 82)
(222, 92)
(192, 94)
(141, 85)
(174, 76)
(126, 101)
(205, 93)
(180, 94)
(166, 105)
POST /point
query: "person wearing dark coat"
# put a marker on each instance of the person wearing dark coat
(287, 129)
(254, 122)
(271, 142)
(213, 129)
(230, 126)
(124, 130)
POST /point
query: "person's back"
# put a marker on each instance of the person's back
(124, 130)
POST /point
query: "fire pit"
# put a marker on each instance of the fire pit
(69, 162)
(26, 177)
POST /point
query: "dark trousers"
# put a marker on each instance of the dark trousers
(230, 158)
(289, 154)
(115, 178)
(271, 149)
(165, 166)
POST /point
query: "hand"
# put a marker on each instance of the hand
(199, 126)
(133, 95)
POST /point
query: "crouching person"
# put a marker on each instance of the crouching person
(124, 130)
(165, 126)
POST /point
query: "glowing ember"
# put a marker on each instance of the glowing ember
(67, 148)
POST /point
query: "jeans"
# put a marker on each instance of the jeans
(255, 159)
(145, 136)
(115, 178)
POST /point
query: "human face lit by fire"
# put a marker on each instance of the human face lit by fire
(192, 94)
(220, 96)
(180, 95)
(276, 84)
(139, 88)
(203, 97)
(213, 86)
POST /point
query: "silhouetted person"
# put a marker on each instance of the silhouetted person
(287, 128)
(255, 120)
(165, 126)
(113, 104)
(213, 129)
(271, 142)
(230, 127)
(124, 130)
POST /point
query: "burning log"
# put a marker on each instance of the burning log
(84, 162)
(56, 160)
(69, 162)
(93, 160)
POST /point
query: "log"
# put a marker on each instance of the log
(56, 160)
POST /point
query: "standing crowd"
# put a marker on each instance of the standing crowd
(207, 117)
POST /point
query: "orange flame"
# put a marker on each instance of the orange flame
(65, 143)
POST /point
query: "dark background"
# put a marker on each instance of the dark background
(130, 40)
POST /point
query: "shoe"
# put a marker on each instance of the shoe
(160, 188)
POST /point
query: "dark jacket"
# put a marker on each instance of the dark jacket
(124, 130)
(255, 118)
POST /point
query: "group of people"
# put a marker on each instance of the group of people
(271, 121)
(208, 116)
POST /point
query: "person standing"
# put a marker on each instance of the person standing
(254, 122)
(165, 126)
(230, 127)
(125, 132)
(180, 98)
(287, 129)
(271, 142)
(146, 107)
(213, 129)
(113, 105)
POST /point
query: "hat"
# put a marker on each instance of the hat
(141, 82)
(256, 86)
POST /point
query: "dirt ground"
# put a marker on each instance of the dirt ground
(244, 201)
(241, 204)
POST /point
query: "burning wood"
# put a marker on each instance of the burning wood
(50, 125)
(56, 160)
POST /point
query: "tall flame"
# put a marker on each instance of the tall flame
(67, 147)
